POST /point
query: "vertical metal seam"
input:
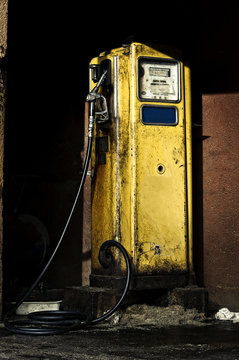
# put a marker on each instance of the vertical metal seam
(132, 108)
(117, 155)
(116, 78)
(186, 233)
(188, 146)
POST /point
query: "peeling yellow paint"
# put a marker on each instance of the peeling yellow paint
(142, 195)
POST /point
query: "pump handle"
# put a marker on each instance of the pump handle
(100, 82)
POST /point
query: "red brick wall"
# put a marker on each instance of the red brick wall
(220, 115)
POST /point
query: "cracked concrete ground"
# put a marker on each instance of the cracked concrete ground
(103, 343)
(133, 337)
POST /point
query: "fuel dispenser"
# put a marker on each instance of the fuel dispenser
(141, 166)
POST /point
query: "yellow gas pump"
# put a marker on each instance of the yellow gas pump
(141, 165)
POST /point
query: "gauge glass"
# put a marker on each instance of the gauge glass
(158, 80)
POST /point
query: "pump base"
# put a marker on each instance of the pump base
(142, 282)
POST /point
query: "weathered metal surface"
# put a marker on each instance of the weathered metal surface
(141, 196)
(221, 198)
(86, 211)
(3, 27)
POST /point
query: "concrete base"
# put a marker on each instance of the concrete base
(190, 297)
(91, 302)
(94, 301)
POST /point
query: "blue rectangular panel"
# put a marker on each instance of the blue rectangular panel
(159, 115)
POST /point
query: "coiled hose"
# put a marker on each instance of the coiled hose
(58, 322)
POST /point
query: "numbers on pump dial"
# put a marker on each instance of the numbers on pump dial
(158, 80)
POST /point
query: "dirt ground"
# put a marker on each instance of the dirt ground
(173, 315)
(140, 332)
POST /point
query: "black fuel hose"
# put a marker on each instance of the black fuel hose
(58, 322)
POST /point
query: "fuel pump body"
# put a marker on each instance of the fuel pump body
(141, 167)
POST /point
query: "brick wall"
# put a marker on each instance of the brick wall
(221, 198)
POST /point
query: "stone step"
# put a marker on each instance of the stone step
(95, 301)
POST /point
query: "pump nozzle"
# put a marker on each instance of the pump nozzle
(93, 93)
(91, 98)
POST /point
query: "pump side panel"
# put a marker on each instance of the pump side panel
(160, 189)
(124, 138)
(111, 181)
(103, 191)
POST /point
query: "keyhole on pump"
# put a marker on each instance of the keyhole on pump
(160, 169)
